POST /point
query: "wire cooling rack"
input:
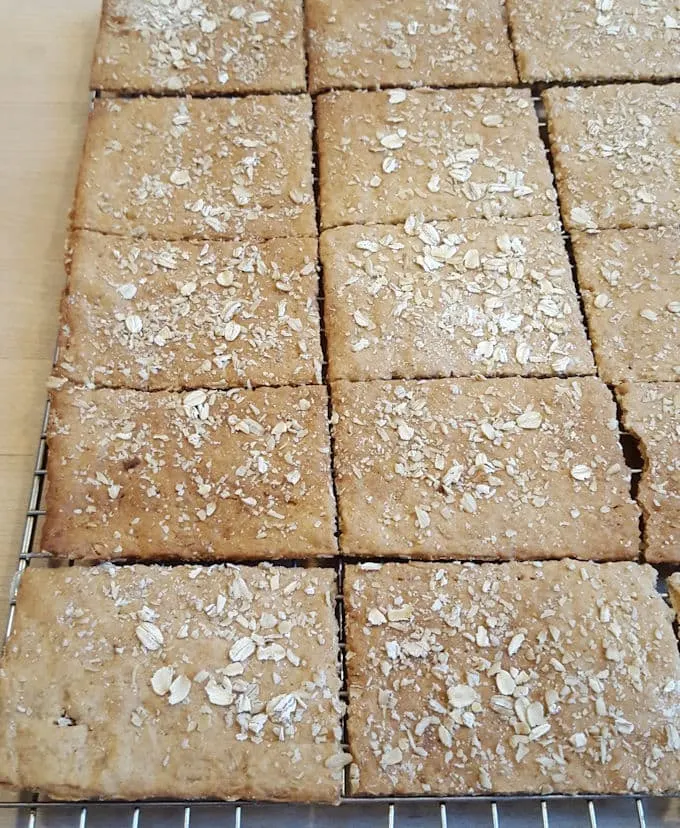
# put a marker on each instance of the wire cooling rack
(414, 812)
(512, 812)
(553, 811)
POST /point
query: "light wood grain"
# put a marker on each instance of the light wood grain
(22, 410)
(45, 51)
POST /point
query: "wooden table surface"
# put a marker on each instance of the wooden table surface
(45, 52)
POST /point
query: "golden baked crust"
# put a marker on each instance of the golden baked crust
(616, 154)
(354, 44)
(155, 315)
(207, 475)
(180, 168)
(481, 469)
(629, 282)
(456, 153)
(651, 412)
(512, 678)
(200, 46)
(183, 682)
(451, 299)
(573, 40)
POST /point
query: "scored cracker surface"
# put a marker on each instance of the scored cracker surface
(651, 412)
(352, 43)
(180, 168)
(451, 299)
(605, 40)
(616, 154)
(630, 284)
(181, 682)
(445, 153)
(481, 469)
(207, 475)
(562, 677)
(151, 315)
(200, 46)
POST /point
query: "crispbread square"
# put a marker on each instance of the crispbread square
(481, 469)
(572, 40)
(456, 153)
(354, 44)
(451, 299)
(174, 315)
(176, 168)
(511, 678)
(651, 412)
(207, 475)
(182, 682)
(616, 154)
(629, 281)
(200, 46)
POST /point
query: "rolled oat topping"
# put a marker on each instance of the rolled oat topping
(482, 469)
(599, 40)
(183, 682)
(437, 299)
(446, 154)
(535, 678)
(175, 315)
(407, 43)
(202, 475)
(616, 154)
(200, 46)
(175, 168)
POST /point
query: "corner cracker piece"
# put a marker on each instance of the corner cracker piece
(451, 299)
(617, 156)
(446, 154)
(386, 43)
(182, 682)
(512, 678)
(602, 40)
(200, 46)
(217, 168)
(475, 469)
(630, 283)
(651, 412)
(207, 475)
(152, 315)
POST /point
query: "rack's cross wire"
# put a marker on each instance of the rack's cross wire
(641, 813)
(544, 814)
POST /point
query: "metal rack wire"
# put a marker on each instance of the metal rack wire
(526, 812)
